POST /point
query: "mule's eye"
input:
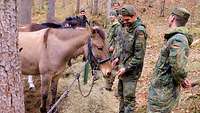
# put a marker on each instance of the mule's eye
(100, 48)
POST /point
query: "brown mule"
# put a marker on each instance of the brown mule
(46, 52)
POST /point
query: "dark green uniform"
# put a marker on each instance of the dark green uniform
(131, 57)
(169, 71)
(114, 38)
(114, 33)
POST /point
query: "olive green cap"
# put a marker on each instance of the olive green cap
(181, 12)
(128, 10)
(113, 13)
(115, 2)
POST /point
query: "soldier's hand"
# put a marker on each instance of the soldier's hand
(111, 49)
(114, 62)
(120, 72)
(186, 83)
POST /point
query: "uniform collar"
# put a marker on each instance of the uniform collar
(181, 30)
(115, 22)
(134, 25)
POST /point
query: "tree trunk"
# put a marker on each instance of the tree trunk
(39, 4)
(77, 6)
(96, 4)
(88, 2)
(64, 2)
(51, 11)
(11, 87)
(91, 5)
(108, 7)
(162, 8)
(24, 16)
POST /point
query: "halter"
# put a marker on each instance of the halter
(94, 61)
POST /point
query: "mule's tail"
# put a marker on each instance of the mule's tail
(46, 34)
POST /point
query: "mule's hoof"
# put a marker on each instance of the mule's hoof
(43, 110)
(32, 89)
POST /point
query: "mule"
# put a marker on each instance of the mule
(46, 52)
(70, 22)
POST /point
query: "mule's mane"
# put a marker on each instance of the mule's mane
(46, 34)
(97, 30)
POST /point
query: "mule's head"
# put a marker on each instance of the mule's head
(100, 51)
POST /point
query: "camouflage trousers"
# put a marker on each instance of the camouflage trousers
(162, 99)
(126, 92)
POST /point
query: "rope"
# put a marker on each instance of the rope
(79, 87)
(64, 94)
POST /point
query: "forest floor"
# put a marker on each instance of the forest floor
(102, 101)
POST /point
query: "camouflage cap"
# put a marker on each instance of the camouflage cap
(115, 2)
(181, 12)
(127, 10)
(113, 13)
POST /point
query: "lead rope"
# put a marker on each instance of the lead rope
(65, 94)
(79, 87)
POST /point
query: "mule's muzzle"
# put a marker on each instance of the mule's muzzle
(108, 73)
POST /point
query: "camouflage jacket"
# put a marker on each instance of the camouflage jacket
(132, 50)
(170, 70)
(114, 34)
(83, 21)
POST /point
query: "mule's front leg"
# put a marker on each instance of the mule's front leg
(54, 84)
(45, 82)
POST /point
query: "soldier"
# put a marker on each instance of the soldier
(83, 18)
(130, 58)
(170, 70)
(114, 37)
(116, 5)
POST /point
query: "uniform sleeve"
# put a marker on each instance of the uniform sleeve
(139, 51)
(110, 37)
(178, 58)
(119, 42)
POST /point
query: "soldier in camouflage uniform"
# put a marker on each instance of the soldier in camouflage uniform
(83, 19)
(130, 58)
(116, 5)
(114, 37)
(170, 70)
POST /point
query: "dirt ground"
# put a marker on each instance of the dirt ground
(102, 101)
